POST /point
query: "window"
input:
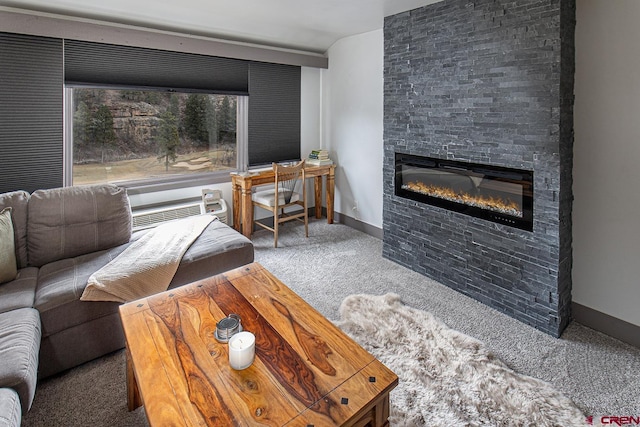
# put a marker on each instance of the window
(124, 135)
(267, 128)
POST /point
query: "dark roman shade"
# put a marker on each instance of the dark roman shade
(98, 64)
(31, 105)
(274, 113)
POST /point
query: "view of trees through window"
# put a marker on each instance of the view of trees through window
(121, 135)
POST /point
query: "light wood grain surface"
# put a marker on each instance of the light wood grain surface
(306, 371)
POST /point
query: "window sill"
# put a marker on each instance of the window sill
(177, 182)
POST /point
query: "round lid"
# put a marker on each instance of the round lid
(228, 327)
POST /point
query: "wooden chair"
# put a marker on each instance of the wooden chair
(286, 180)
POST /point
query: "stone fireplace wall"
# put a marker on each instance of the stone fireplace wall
(486, 81)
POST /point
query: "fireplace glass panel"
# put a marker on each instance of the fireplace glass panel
(497, 194)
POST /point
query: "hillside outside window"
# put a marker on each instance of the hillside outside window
(131, 135)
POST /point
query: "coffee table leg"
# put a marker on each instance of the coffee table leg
(133, 393)
(382, 412)
(376, 416)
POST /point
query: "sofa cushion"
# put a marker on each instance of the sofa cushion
(218, 249)
(18, 202)
(60, 285)
(10, 411)
(8, 266)
(20, 292)
(71, 221)
(19, 348)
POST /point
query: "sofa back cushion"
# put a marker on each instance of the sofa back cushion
(18, 202)
(71, 221)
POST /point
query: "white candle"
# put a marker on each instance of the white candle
(242, 350)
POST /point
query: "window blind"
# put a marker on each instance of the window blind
(89, 63)
(31, 108)
(274, 113)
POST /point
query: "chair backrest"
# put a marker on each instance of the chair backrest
(287, 177)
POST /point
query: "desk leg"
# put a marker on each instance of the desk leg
(235, 191)
(330, 194)
(247, 212)
(317, 192)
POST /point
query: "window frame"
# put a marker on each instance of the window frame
(175, 181)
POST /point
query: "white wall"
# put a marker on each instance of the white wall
(180, 194)
(352, 124)
(310, 112)
(606, 230)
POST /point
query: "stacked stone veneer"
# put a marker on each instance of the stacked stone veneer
(487, 81)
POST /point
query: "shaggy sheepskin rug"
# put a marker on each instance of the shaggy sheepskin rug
(448, 378)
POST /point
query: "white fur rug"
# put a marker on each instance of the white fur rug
(448, 378)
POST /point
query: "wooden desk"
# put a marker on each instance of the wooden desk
(306, 370)
(241, 186)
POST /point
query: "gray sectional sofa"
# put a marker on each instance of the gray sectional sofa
(60, 237)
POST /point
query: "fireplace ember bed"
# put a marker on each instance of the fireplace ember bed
(494, 193)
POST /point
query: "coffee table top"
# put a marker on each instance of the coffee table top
(306, 370)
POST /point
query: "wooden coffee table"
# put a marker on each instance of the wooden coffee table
(306, 372)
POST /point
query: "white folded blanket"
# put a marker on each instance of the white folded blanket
(148, 265)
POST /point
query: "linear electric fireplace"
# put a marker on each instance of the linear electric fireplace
(498, 194)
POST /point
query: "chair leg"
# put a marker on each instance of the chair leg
(275, 229)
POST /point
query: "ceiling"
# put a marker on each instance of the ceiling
(309, 25)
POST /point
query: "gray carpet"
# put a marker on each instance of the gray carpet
(597, 372)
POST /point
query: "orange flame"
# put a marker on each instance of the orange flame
(491, 203)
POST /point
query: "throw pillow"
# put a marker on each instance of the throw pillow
(8, 269)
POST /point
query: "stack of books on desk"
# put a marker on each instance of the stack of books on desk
(319, 158)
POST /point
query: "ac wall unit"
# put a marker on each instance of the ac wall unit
(147, 218)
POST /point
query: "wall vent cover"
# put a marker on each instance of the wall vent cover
(152, 217)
